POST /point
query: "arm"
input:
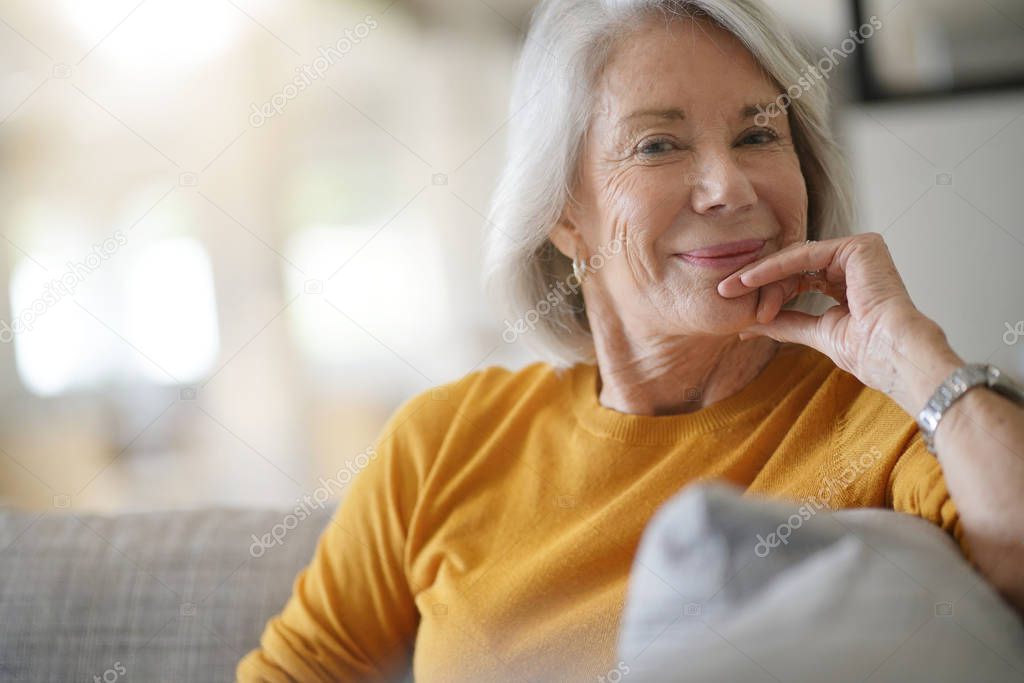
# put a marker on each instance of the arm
(351, 616)
(879, 336)
(980, 445)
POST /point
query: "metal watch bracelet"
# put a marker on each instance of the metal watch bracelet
(956, 385)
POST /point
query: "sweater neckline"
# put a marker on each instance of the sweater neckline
(757, 397)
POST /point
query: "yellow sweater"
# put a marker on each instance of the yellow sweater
(493, 532)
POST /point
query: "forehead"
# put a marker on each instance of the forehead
(690, 64)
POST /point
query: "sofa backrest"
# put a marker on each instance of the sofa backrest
(174, 596)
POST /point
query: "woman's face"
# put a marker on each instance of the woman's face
(673, 162)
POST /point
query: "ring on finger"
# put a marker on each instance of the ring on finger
(817, 279)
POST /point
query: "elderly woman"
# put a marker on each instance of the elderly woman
(672, 195)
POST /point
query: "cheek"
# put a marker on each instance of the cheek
(784, 192)
(636, 211)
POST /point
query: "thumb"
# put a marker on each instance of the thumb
(788, 326)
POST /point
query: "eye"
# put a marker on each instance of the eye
(761, 136)
(654, 147)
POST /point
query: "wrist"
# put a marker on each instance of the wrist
(923, 360)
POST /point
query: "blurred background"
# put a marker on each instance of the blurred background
(236, 234)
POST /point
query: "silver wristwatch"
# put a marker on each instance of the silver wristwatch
(956, 385)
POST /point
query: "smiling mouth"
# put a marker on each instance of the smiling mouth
(720, 257)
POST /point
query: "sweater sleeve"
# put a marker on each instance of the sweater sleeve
(917, 486)
(352, 615)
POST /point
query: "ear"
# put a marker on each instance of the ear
(565, 237)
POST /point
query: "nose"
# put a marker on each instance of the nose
(719, 185)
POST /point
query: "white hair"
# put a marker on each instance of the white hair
(551, 104)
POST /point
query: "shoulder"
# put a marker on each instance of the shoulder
(854, 415)
(488, 390)
(864, 419)
(450, 417)
(498, 387)
(851, 398)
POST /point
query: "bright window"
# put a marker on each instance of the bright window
(171, 311)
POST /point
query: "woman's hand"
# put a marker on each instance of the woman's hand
(863, 334)
(878, 335)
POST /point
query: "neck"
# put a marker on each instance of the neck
(673, 375)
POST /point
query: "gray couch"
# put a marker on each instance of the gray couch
(860, 595)
(167, 596)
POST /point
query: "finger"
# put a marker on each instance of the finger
(791, 326)
(807, 257)
(773, 297)
(792, 287)
(790, 261)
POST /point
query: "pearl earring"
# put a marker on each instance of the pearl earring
(579, 268)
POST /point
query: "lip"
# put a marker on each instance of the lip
(730, 255)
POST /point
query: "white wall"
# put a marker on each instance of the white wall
(959, 247)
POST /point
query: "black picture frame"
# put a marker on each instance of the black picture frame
(871, 89)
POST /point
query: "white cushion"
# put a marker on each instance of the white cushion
(854, 595)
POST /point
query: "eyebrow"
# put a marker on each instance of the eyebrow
(747, 111)
(670, 113)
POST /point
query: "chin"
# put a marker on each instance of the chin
(730, 316)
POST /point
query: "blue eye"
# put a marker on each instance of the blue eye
(762, 136)
(654, 146)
